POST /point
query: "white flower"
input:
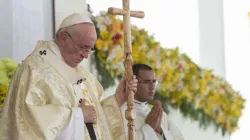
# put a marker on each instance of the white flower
(100, 20)
(107, 21)
(102, 27)
(105, 48)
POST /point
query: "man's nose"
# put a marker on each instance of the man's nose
(151, 85)
(84, 54)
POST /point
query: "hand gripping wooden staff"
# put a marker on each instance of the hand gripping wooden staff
(126, 13)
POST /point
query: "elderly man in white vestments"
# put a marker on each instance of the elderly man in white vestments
(52, 97)
(151, 124)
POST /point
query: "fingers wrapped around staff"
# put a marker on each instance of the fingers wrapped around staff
(94, 118)
(133, 84)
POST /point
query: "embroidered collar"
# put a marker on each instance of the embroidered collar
(140, 103)
(53, 56)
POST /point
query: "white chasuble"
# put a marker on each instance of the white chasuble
(43, 98)
(145, 131)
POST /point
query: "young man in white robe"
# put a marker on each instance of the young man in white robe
(52, 97)
(151, 123)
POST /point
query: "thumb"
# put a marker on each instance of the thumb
(82, 102)
(123, 81)
(121, 86)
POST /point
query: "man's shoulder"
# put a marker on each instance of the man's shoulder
(36, 59)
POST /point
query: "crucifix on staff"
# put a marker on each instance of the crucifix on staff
(126, 13)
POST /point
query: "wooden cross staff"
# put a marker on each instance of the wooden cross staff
(130, 115)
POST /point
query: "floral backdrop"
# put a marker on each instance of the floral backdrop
(7, 69)
(197, 92)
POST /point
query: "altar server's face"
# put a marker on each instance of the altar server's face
(78, 44)
(146, 85)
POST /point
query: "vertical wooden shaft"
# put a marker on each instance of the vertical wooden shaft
(130, 116)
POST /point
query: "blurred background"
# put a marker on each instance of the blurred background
(214, 34)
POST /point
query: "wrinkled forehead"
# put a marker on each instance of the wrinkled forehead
(86, 34)
(86, 30)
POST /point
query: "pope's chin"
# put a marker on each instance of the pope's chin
(74, 64)
(77, 62)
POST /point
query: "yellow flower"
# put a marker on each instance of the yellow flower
(3, 89)
(105, 35)
(229, 126)
(2, 98)
(220, 119)
(99, 44)
(106, 43)
(202, 86)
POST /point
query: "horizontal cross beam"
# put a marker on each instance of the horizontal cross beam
(117, 11)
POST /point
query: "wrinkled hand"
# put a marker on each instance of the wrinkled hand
(154, 117)
(120, 93)
(89, 112)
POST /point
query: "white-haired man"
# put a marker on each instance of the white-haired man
(52, 97)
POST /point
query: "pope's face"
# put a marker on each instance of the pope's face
(146, 85)
(79, 44)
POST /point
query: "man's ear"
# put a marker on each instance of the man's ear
(63, 36)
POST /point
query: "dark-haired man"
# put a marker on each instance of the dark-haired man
(151, 123)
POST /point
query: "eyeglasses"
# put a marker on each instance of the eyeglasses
(155, 82)
(82, 48)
